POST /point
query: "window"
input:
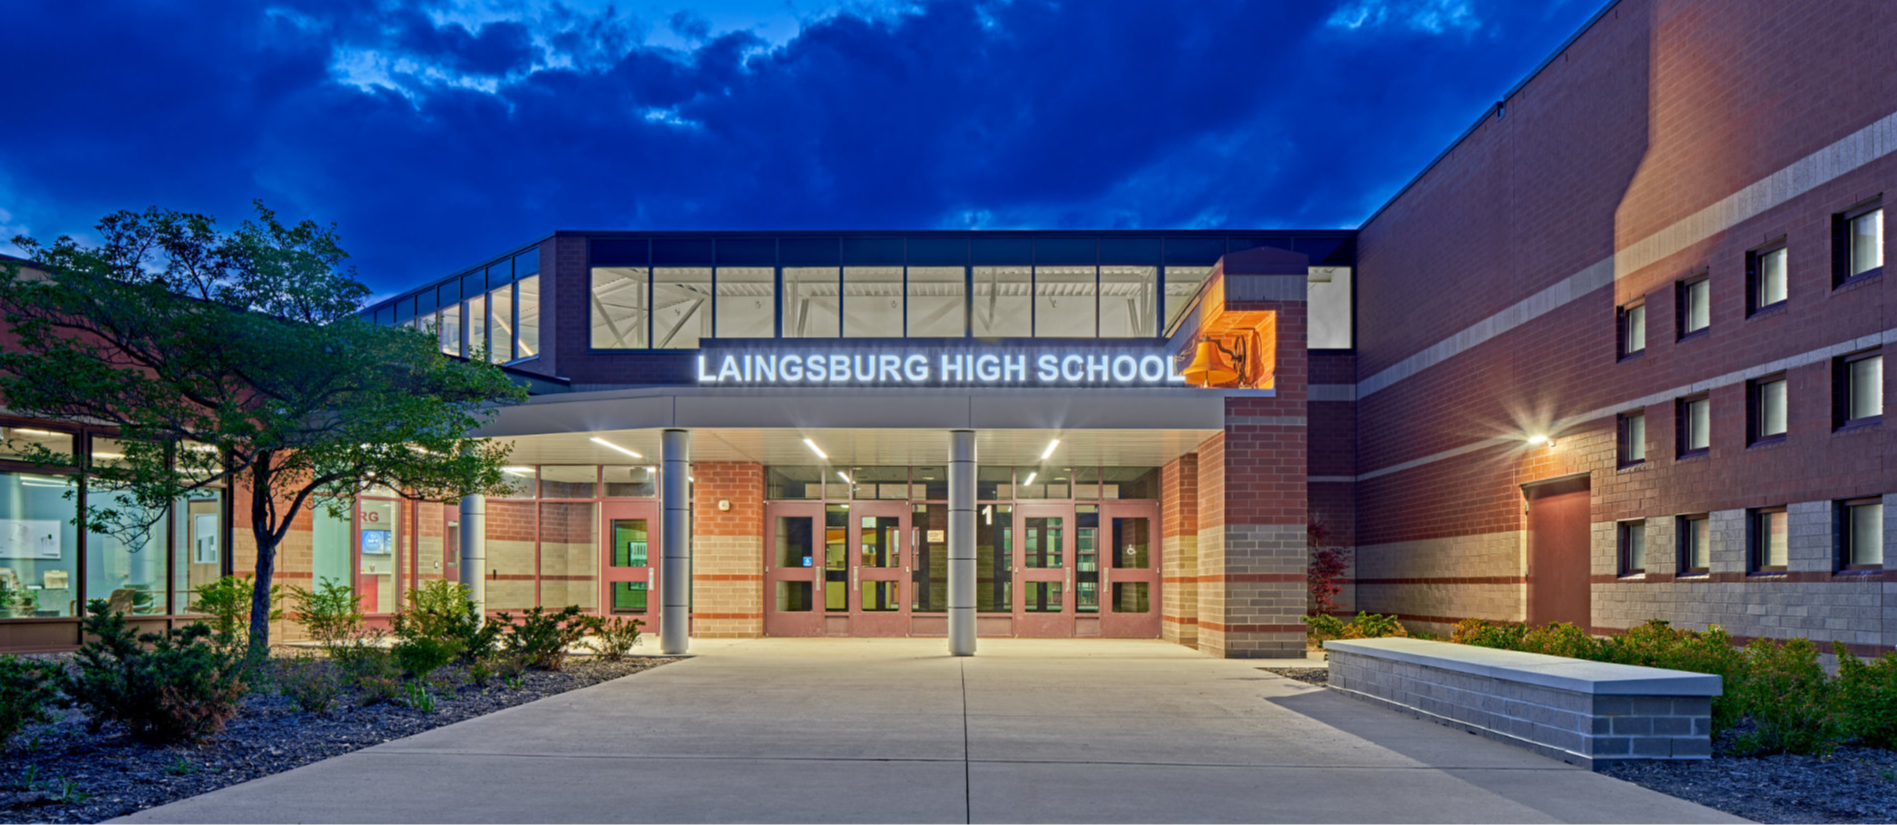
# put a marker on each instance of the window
(1064, 301)
(1633, 438)
(938, 302)
(1861, 534)
(500, 324)
(41, 572)
(451, 329)
(477, 327)
(1182, 282)
(1694, 415)
(618, 308)
(1768, 540)
(872, 302)
(1858, 244)
(1766, 278)
(747, 302)
(1858, 381)
(1328, 308)
(1633, 548)
(1766, 409)
(1695, 303)
(1633, 329)
(681, 306)
(1003, 302)
(811, 308)
(527, 331)
(1129, 301)
(1696, 544)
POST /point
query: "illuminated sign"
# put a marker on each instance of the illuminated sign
(778, 364)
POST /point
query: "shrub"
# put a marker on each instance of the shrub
(183, 688)
(1372, 626)
(613, 637)
(541, 639)
(1324, 577)
(419, 657)
(1321, 627)
(225, 604)
(1484, 633)
(1657, 643)
(311, 683)
(441, 611)
(1560, 639)
(331, 614)
(27, 690)
(1789, 699)
(1867, 697)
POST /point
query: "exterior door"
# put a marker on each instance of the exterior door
(1044, 570)
(793, 564)
(1558, 570)
(629, 561)
(879, 559)
(1129, 570)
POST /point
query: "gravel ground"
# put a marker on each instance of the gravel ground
(1851, 785)
(62, 773)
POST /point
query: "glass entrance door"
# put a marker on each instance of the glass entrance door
(879, 559)
(629, 562)
(1129, 570)
(793, 564)
(1044, 571)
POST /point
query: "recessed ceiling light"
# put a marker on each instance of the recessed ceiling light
(1050, 449)
(846, 479)
(604, 443)
(1030, 479)
(815, 449)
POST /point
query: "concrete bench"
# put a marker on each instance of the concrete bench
(1581, 712)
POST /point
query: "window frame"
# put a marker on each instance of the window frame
(1841, 512)
(1683, 541)
(1681, 424)
(1841, 244)
(1682, 291)
(1624, 533)
(1756, 538)
(1841, 392)
(1623, 441)
(1755, 279)
(1755, 410)
(1622, 324)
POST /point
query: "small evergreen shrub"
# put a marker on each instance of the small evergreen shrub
(541, 639)
(442, 611)
(419, 657)
(331, 613)
(27, 690)
(225, 604)
(182, 688)
(1867, 697)
(1790, 701)
(312, 684)
(613, 637)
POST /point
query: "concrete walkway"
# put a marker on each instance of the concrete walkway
(869, 730)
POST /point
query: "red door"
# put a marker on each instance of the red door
(1558, 570)
(629, 562)
(1044, 571)
(879, 537)
(792, 565)
(1129, 553)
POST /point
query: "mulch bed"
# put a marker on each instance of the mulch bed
(61, 773)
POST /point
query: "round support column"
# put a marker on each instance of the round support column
(474, 550)
(961, 543)
(675, 542)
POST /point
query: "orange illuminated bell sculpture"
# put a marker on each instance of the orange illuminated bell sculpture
(1209, 367)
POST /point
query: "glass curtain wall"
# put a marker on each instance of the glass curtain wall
(681, 306)
(1065, 302)
(619, 303)
(811, 305)
(527, 330)
(747, 302)
(39, 546)
(477, 328)
(872, 302)
(1181, 283)
(451, 330)
(1129, 301)
(500, 324)
(938, 302)
(1004, 306)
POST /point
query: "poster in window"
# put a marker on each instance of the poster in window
(29, 539)
(376, 543)
(204, 543)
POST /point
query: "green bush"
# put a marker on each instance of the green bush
(1790, 701)
(181, 688)
(1321, 627)
(331, 614)
(540, 640)
(1484, 633)
(1657, 643)
(419, 657)
(27, 690)
(613, 637)
(1560, 639)
(1867, 697)
(311, 683)
(441, 611)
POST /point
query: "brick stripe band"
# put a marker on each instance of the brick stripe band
(1448, 580)
(1253, 628)
(1250, 578)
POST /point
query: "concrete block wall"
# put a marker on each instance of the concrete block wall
(1179, 544)
(569, 554)
(1433, 583)
(1583, 728)
(727, 550)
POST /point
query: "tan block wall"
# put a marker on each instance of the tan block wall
(1432, 583)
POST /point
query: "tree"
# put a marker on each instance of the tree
(238, 357)
(1324, 577)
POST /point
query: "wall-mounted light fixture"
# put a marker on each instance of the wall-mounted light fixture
(1539, 439)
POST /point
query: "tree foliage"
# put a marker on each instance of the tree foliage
(238, 358)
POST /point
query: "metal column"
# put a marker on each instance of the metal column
(961, 543)
(474, 550)
(675, 542)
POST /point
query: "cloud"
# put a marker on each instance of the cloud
(437, 133)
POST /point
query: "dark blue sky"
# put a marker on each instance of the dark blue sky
(435, 132)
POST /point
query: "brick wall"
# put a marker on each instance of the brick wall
(1667, 140)
(1179, 557)
(727, 550)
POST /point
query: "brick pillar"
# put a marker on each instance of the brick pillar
(727, 550)
(1179, 550)
(1253, 503)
